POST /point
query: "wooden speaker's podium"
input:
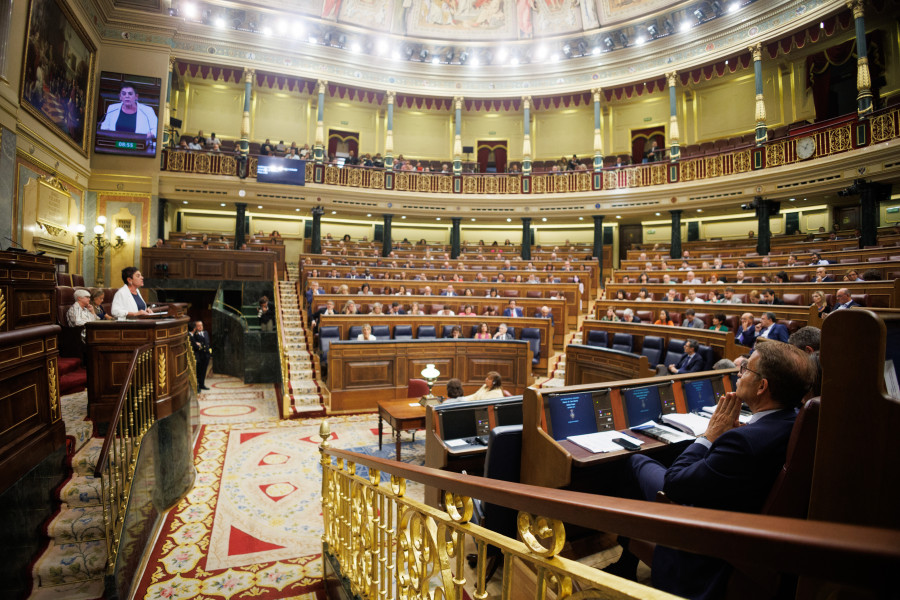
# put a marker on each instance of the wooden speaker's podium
(110, 345)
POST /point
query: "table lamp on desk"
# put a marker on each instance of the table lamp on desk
(430, 374)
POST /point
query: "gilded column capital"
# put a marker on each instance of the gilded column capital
(526, 102)
(672, 78)
(248, 75)
(857, 7)
(322, 84)
(596, 93)
(172, 61)
(457, 102)
(390, 97)
(757, 52)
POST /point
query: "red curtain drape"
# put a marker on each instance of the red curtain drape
(499, 151)
(641, 140)
(336, 137)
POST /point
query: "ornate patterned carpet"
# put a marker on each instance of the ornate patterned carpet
(251, 526)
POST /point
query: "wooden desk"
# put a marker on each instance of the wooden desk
(401, 415)
(360, 374)
(544, 292)
(109, 346)
(561, 464)
(559, 308)
(237, 265)
(590, 364)
(344, 322)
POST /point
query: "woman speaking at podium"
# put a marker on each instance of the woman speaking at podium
(130, 116)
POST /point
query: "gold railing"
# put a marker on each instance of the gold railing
(834, 137)
(132, 418)
(387, 545)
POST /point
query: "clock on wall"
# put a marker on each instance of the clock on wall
(806, 147)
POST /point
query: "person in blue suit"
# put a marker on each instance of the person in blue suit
(691, 362)
(730, 467)
(746, 331)
(768, 328)
(512, 310)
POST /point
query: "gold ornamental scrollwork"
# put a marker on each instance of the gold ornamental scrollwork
(775, 154)
(331, 175)
(2, 309)
(688, 170)
(883, 127)
(162, 373)
(227, 165)
(201, 163)
(545, 537)
(402, 181)
(354, 178)
(839, 140)
(460, 508)
(742, 161)
(53, 382)
(376, 180)
(423, 183)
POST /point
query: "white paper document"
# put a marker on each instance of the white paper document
(743, 418)
(455, 443)
(602, 441)
(687, 422)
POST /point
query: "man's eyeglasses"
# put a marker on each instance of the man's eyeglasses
(744, 368)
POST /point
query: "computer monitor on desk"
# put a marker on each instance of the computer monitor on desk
(647, 403)
(508, 413)
(698, 393)
(464, 422)
(578, 413)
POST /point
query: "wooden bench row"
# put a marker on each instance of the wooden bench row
(793, 317)
(468, 325)
(872, 293)
(529, 306)
(570, 292)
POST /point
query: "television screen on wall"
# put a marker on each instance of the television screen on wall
(127, 114)
(274, 169)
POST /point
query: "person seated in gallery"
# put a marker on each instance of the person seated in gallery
(503, 333)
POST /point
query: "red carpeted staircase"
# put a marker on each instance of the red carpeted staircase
(72, 376)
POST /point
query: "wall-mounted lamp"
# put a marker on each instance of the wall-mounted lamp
(101, 243)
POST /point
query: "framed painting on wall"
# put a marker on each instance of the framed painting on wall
(58, 71)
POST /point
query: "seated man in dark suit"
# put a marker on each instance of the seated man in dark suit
(544, 313)
(769, 329)
(730, 467)
(844, 300)
(691, 362)
(746, 331)
(769, 297)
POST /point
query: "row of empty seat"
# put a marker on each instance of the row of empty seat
(654, 348)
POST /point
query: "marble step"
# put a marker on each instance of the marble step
(77, 524)
(81, 490)
(70, 563)
(83, 590)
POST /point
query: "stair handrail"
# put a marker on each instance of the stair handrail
(133, 415)
(282, 355)
(370, 518)
(220, 303)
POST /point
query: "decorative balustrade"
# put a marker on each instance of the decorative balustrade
(832, 137)
(133, 416)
